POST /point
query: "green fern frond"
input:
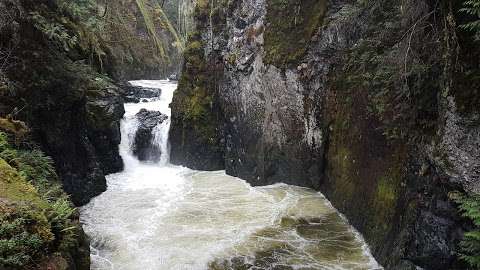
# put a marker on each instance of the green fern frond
(469, 207)
(472, 8)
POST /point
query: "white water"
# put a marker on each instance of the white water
(160, 216)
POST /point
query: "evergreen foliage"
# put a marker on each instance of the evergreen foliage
(472, 8)
(469, 206)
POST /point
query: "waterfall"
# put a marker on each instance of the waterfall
(156, 216)
(130, 122)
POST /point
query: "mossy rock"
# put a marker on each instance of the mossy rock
(25, 230)
(290, 25)
(36, 217)
(18, 128)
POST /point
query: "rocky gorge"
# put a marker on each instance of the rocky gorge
(374, 103)
(368, 107)
(62, 90)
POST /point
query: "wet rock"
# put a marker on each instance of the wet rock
(144, 146)
(135, 94)
(104, 112)
(131, 99)
(298, 122)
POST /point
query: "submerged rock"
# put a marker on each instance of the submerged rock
(144, 146)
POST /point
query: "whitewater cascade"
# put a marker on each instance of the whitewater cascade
(157, 216)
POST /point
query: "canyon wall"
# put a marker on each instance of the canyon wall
(63, 64)
(374, 103)
(60, 64)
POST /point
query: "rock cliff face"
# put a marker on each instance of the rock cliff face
(57, 58)
(52, 55)
(370, 102)
(138, 40)
(73, 111)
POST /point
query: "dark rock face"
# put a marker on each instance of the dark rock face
(143, 146)
(338, 112)
(73, 111)
(104, 112)
(196, 133)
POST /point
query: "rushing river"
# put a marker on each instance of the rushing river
(165, 217)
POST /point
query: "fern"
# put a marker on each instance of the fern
(472, 8)
(21, 240)
(469, 206)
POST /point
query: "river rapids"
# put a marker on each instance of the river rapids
(157, 216)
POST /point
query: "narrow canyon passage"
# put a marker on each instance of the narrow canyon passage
(158, 216)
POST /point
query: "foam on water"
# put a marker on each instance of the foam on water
(160, 216)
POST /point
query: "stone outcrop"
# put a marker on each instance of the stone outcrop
(144, 146)
(134, 94)
(367, 102)
(73, 111)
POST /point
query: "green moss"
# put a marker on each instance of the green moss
(290, 25)
(24, 230)
(16, 127)
(36, 217)
(15, 187)
(386, 192)
(195, 95)
(343, 172)
(386, 199)
(364, 169)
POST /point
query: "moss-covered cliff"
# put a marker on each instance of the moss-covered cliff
(371, 102)
(59, 60)
(196, 101)
(39, 227)
(138, 39)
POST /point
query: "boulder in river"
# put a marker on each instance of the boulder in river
(134, 94)
(144, 146)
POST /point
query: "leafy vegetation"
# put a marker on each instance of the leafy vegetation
(36, 216)
(469, 206)
(18, 243)
(472, 8)
(401, 85)
(112, 32)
